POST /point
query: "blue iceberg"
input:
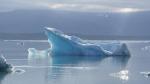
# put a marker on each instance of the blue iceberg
(4, 66)
(62, 45)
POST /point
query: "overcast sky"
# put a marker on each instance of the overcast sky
(74, 5)
(16, 17)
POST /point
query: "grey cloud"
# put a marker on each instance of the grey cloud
(74, 5)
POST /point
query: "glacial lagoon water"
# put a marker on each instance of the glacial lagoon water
(34, 65)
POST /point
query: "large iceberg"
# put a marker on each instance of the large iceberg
(62, 44)
(4, 66)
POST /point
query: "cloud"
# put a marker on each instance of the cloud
(92, 8)
(74, 5)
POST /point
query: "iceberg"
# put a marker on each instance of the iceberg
(37, 54)
(4, 66)
(62, 45)
(38, 57)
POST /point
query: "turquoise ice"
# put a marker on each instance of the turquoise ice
(62, 44)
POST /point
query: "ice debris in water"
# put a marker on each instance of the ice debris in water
(62, 44)
(37, 54)
(19, 71)
(123, 75)
(146, 74)
(38, 57)
(4, 66)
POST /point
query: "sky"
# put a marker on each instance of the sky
(93, 17)
(76, 5)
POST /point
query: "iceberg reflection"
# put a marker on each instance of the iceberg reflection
(57, 65)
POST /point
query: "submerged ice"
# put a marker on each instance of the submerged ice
(4, 66)
(62, 44)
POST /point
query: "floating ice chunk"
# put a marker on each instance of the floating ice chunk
(4, 67)
(62, 44)
(146, 74)
(19, 71)
(38, 57)
(34, 53)
(123, 75)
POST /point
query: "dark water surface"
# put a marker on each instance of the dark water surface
(33, 65)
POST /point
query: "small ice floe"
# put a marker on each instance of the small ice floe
(19, 71)
(38, 57)
(123, 75)
(145, 74)
(4, 66)
(37, 54)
